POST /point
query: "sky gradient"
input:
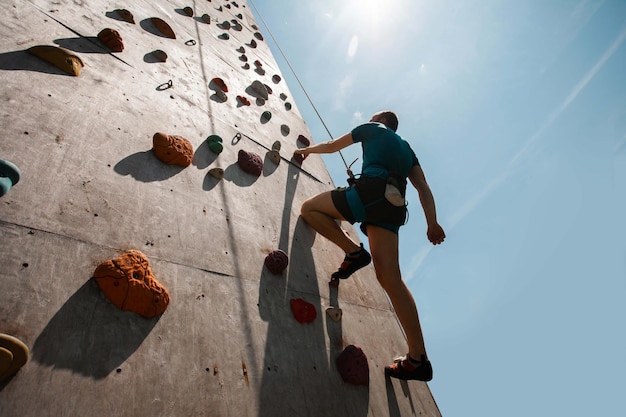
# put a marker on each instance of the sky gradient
(517, 112)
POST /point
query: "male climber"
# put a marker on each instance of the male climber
(376, 200)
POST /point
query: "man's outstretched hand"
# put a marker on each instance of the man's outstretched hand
(435, 234)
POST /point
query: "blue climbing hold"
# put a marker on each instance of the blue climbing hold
(9, 176)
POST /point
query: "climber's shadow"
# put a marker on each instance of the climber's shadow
(89, 335)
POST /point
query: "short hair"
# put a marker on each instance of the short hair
(391, 119)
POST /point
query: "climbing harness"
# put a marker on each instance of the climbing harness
(351, 177)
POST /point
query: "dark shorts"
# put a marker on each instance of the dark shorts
(365, 203)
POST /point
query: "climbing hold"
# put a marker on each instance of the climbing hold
(255, 27)
(269, 90)
(283, 96)
(224, 36)
(276, 78)
(266, 116)
(304, 140)
(206, 18)
(303, 311)
(258, 63)
(252, 43)
(9, 176)
(258, 36)
(274, 155)
(243, 58)
(225, 25)
(243, 100)
(221, 84)
(125, 15)
(299, 158)
(172, 150)
(163, 27)
(13, 355)
(188, 11)
(160, 55)
(241, 50)
(284, 129)
(217, 173)
(287, 106)
(246, 66)
(190, 42)
(128, 282)
(239, 15)
(276, 261)
(353, 367)
(59, 57)
(112, 39)
(334, 313)
(250, 162)
(215, 144)
(260, 88)
(227, 6)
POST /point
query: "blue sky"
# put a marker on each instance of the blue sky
(517, 112)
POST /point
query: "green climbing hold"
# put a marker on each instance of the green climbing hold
(266, 116)
(215, 144)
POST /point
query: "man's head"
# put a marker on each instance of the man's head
(388, 118)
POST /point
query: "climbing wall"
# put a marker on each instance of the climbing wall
(92, 187)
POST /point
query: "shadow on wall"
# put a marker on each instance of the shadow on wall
(23, 61)
(89, 335)
(145, 167)
(298, 371)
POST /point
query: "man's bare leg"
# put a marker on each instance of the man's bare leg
(320, 213)
(384, 248)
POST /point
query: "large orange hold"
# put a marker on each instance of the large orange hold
(172, 150)
(128, 282)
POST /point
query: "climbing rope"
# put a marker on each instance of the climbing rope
(348, 170)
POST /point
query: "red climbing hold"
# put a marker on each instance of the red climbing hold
(303, 311)
(244, 100)
(163, 27)
(221, 84)
(353, 367)
(276, 261)
(250, 162)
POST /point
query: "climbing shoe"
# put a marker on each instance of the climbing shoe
(407, 368)
(352, 263)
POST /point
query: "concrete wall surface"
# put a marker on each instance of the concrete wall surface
(91, 187)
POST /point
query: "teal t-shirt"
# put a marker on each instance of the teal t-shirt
(384, 151)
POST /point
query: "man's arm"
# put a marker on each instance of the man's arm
(435, 232)
(327, 147)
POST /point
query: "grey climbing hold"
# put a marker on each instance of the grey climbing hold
(217, 173)
(224, 36)
(9, 176)
(274, 154)
(284, 129)
(160, 55)
(260, 88)
(334, 313)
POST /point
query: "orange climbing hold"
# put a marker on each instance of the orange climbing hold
(303, 311)
(163, 27)
(112, 39)
(128, 282)
(172, 150)
(59, 57)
